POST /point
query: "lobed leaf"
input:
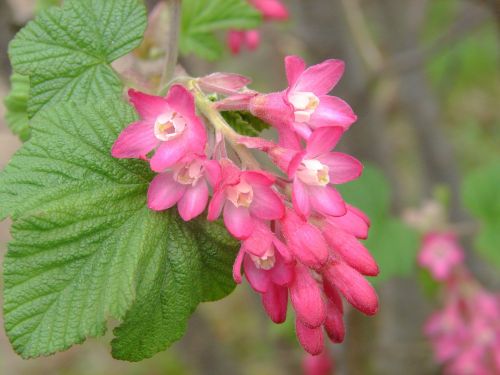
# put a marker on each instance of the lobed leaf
(85, 246)
(67, 51)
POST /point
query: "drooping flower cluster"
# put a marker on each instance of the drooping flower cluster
(465, 334)
(271, 10)
(299, 239)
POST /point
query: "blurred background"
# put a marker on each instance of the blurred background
(423, 77)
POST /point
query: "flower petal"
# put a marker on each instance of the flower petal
(320, 79)
(266, 204)
(135, 141)
(326, 200)
(238, 221)
(149, 107)
(351, 251)
(342, 167)
(164, 192)
(332, 111)
(275, 301)
(323, 140)
(334, 323)
(194, 201)
(306, 298)
(311, 339)
(181, 100)
(294, 67)
(358, 292)
(237, 266)
(215, 205)
(258, 279)
(169, 153)
(351, 223)
(300, 198)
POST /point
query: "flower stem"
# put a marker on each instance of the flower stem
(213, 115)
(173, 7)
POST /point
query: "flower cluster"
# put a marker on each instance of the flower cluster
(299, 239)
(465, 334)
(271, 10)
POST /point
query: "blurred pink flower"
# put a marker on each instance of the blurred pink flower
(440, 254)
(321, 364)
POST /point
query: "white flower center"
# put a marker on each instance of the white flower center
(313, 172)
(304, 104)
(169, 125)
(240, 195)
(189, 173)
(265, 262)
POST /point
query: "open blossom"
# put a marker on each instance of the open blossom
(271, 10)
(185, 185)
(304, 105)
(441, 253)
(314, 170)
(245, 196)
(169, 126)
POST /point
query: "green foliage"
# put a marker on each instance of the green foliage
(16, 104)
(392, 242)
(202, 18)
(85, 246)
(67, 51)
(245, 123)
(481, 196)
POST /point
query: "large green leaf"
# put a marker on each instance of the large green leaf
(201, 18)
(481, 195)
(67, 51)
(16, 104)
(85, 246)
(392, 243)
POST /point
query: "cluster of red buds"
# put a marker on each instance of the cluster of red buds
(299, 239)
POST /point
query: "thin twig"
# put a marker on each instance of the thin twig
(172, 40)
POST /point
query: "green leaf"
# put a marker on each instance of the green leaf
(371, 193)
(201, 18)
(163, 302)
(245, 123)
(16, 105)
(85, 245)
(67, 51)
(481, 196)
(394, 246)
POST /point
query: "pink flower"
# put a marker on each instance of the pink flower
(315, 169)
(238, 39)
(271, 9)
(321, 364)
(305, 105)
(245, 196)
(441, 254)
(185, 185)
(168, 125)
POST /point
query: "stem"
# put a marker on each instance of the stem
(173, 7)
(218, 122)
